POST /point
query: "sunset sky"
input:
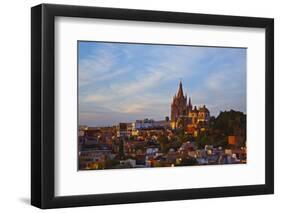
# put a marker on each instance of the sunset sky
(121, 82)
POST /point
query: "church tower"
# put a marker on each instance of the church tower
(185, 115)
(189, 106)
(178, 107)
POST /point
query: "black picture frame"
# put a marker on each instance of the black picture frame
(43, 102)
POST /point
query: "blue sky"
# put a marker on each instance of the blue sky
(121, 82)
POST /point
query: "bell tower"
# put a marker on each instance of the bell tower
(178, 107)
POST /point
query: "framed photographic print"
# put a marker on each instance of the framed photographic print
(139, 106)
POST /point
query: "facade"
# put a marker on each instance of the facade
(122, 130)
(149, 124)
(143, 124)
(185, 115)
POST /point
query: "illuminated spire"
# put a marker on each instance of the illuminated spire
(180, 91)
(189, 102)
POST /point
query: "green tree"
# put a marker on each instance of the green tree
(231, 122)
(164, 142)
(225, 124)
(121, 149)
(201, 140)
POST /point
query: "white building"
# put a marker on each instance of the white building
(143, 124)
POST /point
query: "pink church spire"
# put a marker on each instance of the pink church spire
(180, 91)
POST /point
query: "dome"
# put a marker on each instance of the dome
(204, 109)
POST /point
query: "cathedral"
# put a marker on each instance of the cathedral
(184, 115)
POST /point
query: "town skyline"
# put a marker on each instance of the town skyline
(112, 89)
(191, 137)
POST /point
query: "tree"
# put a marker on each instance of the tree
(231, 122)
(121, 149)
(181, 137)
(227, 123)
(201, 140)
(164, 142)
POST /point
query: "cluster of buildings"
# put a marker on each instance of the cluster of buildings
(139, 126)
(138, 144)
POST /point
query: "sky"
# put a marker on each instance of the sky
(123, 82)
